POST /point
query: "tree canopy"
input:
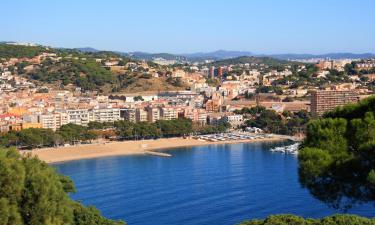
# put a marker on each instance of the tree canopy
(287, 123)
(32, 193)
(337, 158)
(296, 220)
(20, 51)
(40, 137)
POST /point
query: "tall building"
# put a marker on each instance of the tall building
(53, 120)
(220, 71)
(128, 114)
(141, 115)
(325, 64)
(323, 101)
(168, 113)
(153, 114)
(196, 115)
(212, 72)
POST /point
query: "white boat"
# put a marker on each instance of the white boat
(289, 149)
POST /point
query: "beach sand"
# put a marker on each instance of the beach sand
(116, 148)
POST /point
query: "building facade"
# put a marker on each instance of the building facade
(323, 101)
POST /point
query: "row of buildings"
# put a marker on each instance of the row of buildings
(24, 105)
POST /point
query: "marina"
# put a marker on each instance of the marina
(234, 136)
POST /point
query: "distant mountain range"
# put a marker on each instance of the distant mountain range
(87, 49)
(223, 54)
(217, 55)
(322, 56)
(151, 56)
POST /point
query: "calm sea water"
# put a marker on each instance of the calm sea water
(217, 184)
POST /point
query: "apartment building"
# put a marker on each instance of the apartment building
(53, 120)
(323, 101)
(128, 114)
(168, 113)
(141, 115)
(105, 115)
(78, 116)
(153, 114)
(196, 115)
(233, 119)
(48, 121)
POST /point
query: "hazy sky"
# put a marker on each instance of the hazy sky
(184, 26)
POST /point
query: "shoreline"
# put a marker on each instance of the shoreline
(124, 148)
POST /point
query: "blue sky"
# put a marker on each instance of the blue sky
(184, 26)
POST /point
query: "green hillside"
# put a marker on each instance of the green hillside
(249, 59)
(18, 51)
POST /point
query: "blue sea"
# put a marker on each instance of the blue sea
(216, 184)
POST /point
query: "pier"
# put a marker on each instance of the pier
(160, 154)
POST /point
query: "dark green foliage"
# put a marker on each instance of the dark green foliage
(164, 128)
(138, 98)
(270, 89)
(268, 120)
(86, 74)
(30, 138)
(161, 128)
(73, 133)
(90, 216)
(209, 129)
(337, 159)
(296, 220)
(271, 121)
(19, 51)
(39, 137)
(350, 69)
(32, 193)
(253, 111)
(94, 75)
(250, 59)
(353, 111)
(177, 127)
(93, 125)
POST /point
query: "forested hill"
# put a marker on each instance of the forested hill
(249, 59)
(19, 51)
(104, 71)
(22, 51)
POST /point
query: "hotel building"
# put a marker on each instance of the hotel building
(323, 101)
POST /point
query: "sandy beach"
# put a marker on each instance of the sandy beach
(116, 148)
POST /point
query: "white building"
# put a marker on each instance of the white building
(141, 115)
(105, 115)
(53, 120)
(233, 119)
(78, 116)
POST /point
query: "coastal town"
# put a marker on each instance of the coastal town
(208, 93)
(187, 112)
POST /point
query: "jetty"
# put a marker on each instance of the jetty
(160, 154)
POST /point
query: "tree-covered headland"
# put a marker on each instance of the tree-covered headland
(337, 158)
(32, 193)
(337, 164)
